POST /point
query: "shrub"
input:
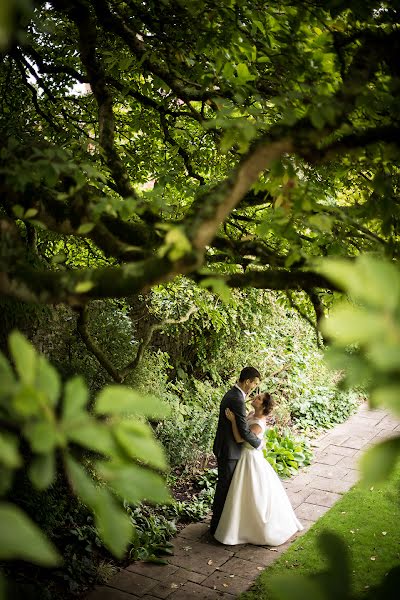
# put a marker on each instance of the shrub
(323, 407)
(285, 453)
(188, 436)
(153, 528)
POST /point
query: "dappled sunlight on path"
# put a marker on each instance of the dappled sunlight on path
(206, 570)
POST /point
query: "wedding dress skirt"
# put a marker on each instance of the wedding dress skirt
(257, 509)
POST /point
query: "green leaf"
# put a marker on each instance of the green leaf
(24, 356)
(6, 479)
(368, 279)
(243, 73)
(140, 445)
(83, 286)
(48, 381)
(93, 435)
(177, 244)
(42, 470)
(82, 483)
(42, 436)
(8, 382)
(85, 228)
(9, 454)
(59, 258)
(228, 139)
(113, 524)
(352, 324)
(118, 399)
(260, 26)
(321, 222)
(27, 401)
(378, 462)
(21, 539)
(30, 213)
(317, 118)
(75, 398)
(18, 211)
(219, 287)
(134, 483)
(388, 395)
(228, 70)
(295, 587)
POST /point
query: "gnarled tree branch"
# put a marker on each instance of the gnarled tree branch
(120, 375)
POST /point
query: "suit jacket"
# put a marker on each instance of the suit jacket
(225, 446)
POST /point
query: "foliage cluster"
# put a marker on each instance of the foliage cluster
(286, 453)
(323, 407)
(45, 422)
(364, 329)
(153, 528)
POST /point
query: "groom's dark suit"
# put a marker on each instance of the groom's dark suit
(226, 450)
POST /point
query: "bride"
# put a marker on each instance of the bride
(257, 510)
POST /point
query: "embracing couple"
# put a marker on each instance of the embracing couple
(250, 503)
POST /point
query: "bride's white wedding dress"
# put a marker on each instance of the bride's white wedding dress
(257, 509)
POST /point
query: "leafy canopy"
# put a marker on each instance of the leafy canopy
(232, 141)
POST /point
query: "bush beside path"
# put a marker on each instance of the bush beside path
(209, 571)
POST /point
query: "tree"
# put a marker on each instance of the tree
(269, 132)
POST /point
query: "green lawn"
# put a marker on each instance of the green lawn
(368, 520)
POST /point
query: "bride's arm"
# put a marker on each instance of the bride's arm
(231, 417)
(256, 429)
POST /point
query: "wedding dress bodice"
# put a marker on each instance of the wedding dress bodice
(254, 421)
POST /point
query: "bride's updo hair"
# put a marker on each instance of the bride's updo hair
(268, 403)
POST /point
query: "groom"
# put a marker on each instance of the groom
(226, 450)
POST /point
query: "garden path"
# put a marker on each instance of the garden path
(204, 570)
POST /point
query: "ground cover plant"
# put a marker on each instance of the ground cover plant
(367, 519)
(285, 453)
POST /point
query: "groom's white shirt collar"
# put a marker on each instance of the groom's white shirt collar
(239, 388)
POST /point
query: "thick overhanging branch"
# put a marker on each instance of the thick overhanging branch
(239, 249)
(273, 279)
(211, 209)
(120, 239)
(77, 287)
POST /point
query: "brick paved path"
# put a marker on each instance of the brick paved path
(204, 570)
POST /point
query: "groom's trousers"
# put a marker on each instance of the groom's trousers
(226, 468)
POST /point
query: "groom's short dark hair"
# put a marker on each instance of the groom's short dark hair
(249, 373)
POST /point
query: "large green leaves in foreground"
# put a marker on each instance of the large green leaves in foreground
(365, 331)
(335, 582)
(54, 421)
